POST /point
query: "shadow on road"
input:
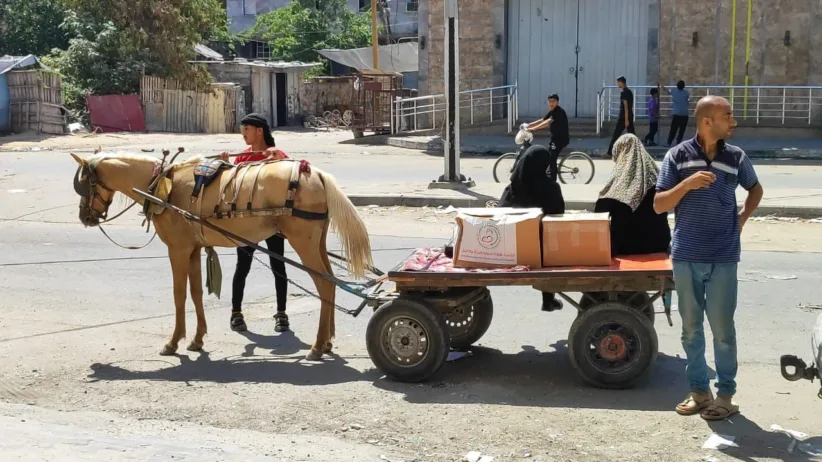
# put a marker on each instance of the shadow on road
(545, 379)
(286, 367)
(756, 443)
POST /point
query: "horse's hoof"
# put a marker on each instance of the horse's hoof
(168, 350)
(314, 356)
(194, 346)
(327, 348)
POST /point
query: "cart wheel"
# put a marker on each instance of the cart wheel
(468, 324)
(407, 340)
(612, 346)
(622, 297)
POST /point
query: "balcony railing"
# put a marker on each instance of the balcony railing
(768, 104)
(482, 106)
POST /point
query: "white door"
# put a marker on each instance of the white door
(542, 53)
(570, 47)
(613, 41)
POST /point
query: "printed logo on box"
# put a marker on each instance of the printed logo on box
(489, 236)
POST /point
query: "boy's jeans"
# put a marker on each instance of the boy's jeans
(708, 289)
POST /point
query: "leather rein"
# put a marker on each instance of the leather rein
(88, 190)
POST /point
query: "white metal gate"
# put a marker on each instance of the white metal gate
(570, 47)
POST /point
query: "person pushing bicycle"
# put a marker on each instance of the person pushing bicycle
(557, 121)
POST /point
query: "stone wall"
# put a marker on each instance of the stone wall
(481, 48)
(321, 94)
(771, 61)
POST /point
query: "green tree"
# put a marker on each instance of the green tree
(165, 29)
(297, 31)
(31, 27)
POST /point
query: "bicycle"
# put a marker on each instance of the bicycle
(568, 167)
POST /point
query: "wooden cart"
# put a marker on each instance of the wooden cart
(612, 343)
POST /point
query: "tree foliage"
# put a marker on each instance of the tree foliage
(296, 31)
(31, 27)
(167, 29)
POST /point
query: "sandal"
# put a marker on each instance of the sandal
(281, 324)
(720, 411)
(238, 322)
(694, 403)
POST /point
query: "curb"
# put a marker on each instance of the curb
(435, 147)
(399, 200)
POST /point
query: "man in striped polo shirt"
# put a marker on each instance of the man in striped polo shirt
(698, 179)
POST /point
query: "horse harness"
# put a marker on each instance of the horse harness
(208, 169)
(87, 189)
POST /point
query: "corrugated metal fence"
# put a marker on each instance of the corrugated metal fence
(173, 106)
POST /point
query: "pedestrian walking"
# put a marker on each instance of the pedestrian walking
(625, 121)
(653, 118)
(679, 110)
(698, 178)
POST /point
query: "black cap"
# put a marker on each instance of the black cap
(257, 120)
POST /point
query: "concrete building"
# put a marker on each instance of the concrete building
(270, 88)
(571, 47)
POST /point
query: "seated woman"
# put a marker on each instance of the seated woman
(628, 197)
(532, 187)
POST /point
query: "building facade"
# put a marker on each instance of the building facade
(574, 47)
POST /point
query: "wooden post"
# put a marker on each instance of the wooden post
(375, 43)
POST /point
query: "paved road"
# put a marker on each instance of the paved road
(82, 322)
(375, 164)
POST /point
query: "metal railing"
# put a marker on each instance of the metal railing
(482, 106)
(772, 104)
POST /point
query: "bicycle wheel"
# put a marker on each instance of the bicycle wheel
(576, 168)
(503, 166)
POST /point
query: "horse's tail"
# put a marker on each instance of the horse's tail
(348, 225)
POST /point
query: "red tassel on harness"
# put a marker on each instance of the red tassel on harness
(305, 166)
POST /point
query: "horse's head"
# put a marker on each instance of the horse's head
(95, 196)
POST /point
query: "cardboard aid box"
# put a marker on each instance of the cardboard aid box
(582, 239)
(497, 238)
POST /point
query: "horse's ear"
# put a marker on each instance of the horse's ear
(79, 159)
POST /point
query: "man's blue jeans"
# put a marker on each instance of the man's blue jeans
(708, 289)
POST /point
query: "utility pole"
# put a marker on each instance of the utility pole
(452, 178)
(375, 43)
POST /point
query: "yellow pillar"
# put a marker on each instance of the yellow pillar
(375, 43)
(747, 57)
(733, 49)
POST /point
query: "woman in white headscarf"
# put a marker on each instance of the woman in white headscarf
(629, 198)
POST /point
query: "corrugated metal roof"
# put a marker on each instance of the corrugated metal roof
(8, 63)
(284, 65)
(397, 57)
(207, 52)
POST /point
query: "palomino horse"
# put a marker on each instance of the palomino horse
(311, 192)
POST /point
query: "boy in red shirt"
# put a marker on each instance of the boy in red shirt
(257, 135)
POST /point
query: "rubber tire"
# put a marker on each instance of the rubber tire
(496, 164)
(438, 341)
(580, 155)
(622, 297)
(649, 345)
(483, 314)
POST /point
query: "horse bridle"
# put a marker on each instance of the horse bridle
(87, 189)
